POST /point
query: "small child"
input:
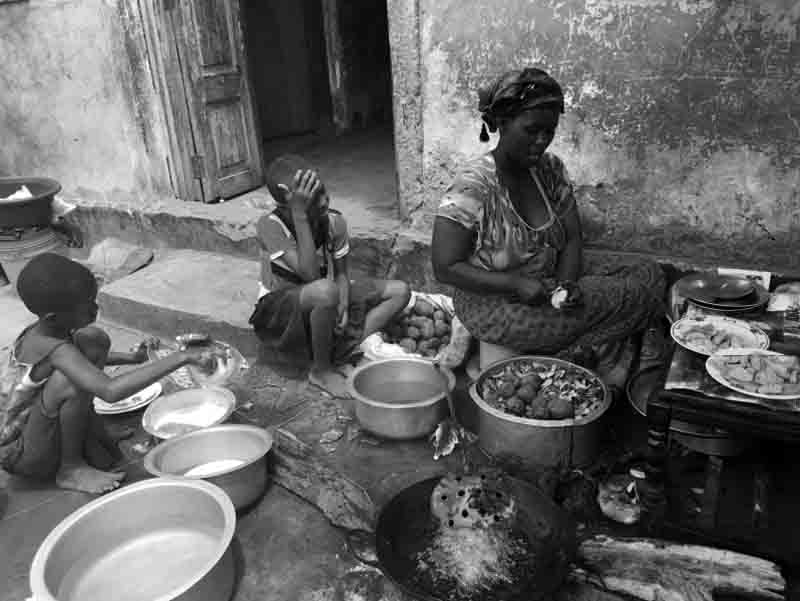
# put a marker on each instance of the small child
(48, 429)
(310, 315)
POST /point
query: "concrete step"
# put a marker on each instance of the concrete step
(188, 291)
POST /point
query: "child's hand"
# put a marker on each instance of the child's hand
(204, 358)
(304, 190)
(141, 351)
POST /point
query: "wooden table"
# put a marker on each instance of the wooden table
(691, 396)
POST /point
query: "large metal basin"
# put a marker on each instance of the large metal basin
(212, 448)
(188, 410)
(158, 540)
(30, 211)
(401, 399)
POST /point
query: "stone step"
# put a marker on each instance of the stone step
(188, 291)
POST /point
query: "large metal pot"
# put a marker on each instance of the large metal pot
(401, 399)
(537, 443)
(157, 540)
(239, 453)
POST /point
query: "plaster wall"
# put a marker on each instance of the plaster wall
(78, 101)
(682, 115)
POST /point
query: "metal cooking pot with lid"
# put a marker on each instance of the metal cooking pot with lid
(405, 525)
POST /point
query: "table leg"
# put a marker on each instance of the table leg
(761, 486)
(708, 507)
(658, 420)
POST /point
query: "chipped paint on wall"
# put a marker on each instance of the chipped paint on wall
(76, 110)
(682, 119)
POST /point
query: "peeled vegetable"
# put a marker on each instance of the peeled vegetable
(561, 409)
(537, 388)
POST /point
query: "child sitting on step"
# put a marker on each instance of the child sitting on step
(48, 428)
(310, 315)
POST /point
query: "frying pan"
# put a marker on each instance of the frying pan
(404, 521)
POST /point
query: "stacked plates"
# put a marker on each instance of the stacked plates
(724, 294)
(136, 401)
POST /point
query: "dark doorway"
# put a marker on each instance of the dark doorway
(320, 71)
(288, 66)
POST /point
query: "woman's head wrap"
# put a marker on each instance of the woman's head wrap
(514, 92)
(280, 175)
(50, 283)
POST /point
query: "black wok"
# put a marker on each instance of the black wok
(406, 520)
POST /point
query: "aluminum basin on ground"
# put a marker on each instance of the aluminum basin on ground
(157, 540)
(232, 456)
(400, 399)
(188, 410)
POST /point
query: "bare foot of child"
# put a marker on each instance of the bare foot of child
(331, 382)
(345, 370)
(85, 478)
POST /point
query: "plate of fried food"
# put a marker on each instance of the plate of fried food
(757, 372)
(709, 334)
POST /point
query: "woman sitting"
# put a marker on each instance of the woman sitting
(508, 234)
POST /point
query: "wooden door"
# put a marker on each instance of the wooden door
(211, 58)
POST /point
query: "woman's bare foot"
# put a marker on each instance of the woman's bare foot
(331, 382)
(85, 478)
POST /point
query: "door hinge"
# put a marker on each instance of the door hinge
(198, 167)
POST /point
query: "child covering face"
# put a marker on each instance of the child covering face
(310, 316)
(48, 428)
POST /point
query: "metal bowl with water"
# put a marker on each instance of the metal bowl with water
(232, 456)
(157, 540)
(188, 410)
(401, 399)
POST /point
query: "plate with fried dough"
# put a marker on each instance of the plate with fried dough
(757, 372)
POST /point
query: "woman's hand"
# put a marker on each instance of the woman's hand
(304, 190)
(529, 291)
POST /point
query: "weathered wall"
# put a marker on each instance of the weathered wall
(682, 122)
(78, 102)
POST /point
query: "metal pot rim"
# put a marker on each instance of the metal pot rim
(541, 423)
(448, 374)
(163, 447)
(54, 188)
(39, 589)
